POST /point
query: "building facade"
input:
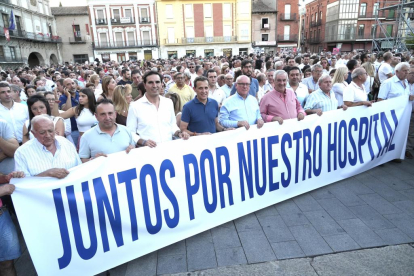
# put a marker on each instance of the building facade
(34, 40)
(74, 29)
(264, 18)
(287, 25)
(197, 28)
(124, 30)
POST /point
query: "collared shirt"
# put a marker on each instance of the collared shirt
(135, 93)
(96, 141)
(217, 94)
(267, 87)
(33, 158)
(274, 103)
(319, 100)
(147, 122)
(15, 116)
(383, 71)
(75, 102)
(186, 93)
(393, 87)
(226, 89)
(338, 89)
(6, 132)
(301, 92)
(200, 117)
(311, 83)
(254, 87)
(235, 108)
(354, 93)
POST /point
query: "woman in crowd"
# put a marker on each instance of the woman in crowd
(108, 86)
(83, 112)
(53, 103)
(30, 90)
(325, 65)
(37, 105)
(177, 104)
(225, 69)
(369, 68)
(332, 73)
(339, 83)
(96, 81)
(122, 98)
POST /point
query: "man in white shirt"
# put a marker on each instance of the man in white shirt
(301, 90)
(385, 69)
(397, 85)
(215, 92)
(151, 119)
(228, 84)
(13, 113)
(354, 94)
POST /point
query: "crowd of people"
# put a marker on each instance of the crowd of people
(55, 118)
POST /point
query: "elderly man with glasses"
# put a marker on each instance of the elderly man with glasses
(242, 109)
(312, 81)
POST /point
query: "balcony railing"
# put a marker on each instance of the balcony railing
(144, 20)
(364, 36)
(77, 40)
(212, 39)
(370, 15)
(32, 36)
(10, 59)
(316, 23)
(289, 37)
(101, 21)
(124, 44)
(122, 20)
(288, 16)
(315, 40)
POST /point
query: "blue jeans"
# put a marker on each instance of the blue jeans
(75, 136)
(10, 247)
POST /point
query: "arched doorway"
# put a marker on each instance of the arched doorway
(53, 60)
(35, 59)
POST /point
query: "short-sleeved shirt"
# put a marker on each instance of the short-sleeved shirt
(354, 93)
(319, 100)
(96, 141)
(383, 71)
(15, 116)
(393, 87)
(200, 117)
(6, 132)
(75, 102)
(33, 158)
(186, 93)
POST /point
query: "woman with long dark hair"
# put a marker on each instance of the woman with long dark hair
(108, 87)
(84, 112)
(39, 105)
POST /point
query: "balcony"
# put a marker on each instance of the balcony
(315, 40)
(204, 40)
(122, 21)
(144, 20)
(123, 44)
(32, 36)
(288, 16)
(264, 43)
(316, 23)
(364, 36)
(287, 38)
(77, 40)
(12, 60)
(370, 15)
(101, 21)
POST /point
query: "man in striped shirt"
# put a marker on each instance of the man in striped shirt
(47, 155)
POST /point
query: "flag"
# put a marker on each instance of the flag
(7, 34)
(74, 29)
(12, 24)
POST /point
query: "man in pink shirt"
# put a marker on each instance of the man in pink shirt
(281, 103)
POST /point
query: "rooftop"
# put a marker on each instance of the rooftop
(259, 7)
(77, 10)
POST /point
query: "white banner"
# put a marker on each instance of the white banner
(112, 210)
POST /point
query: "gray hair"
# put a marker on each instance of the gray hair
(323, 77)
(260, 77)
(279, 72)
(401, 65)
(357, 72)
(40, 118)
(316, 66)
(15, 88)
(278, 63)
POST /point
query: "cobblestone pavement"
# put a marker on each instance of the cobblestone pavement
(372, 209)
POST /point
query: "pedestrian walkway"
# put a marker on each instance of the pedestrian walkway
(372, 209)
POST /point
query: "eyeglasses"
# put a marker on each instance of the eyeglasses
(243, 84)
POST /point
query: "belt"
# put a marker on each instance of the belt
(3, 210)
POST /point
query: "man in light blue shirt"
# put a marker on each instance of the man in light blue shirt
(241, 109)
(397, 85)
(312, 81)
(228, 84)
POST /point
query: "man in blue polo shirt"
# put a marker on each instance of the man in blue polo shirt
(199, 116)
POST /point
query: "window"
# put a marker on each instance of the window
(227, 32)
(375, 9)
(189, 33)
(116, 14)
(320, 15)
(80, 58)
(12, 52)
(373, 30)
(227, 10)
(5, 20)
(244, 8)
(144, 15)
(207, 10)
(389, 30)
(77, 33)
(128, 13)
(132, 56)
(209, 33)
(265, 23)
(316, 17)
(188, 11)
(103, 40)
(100, 14)
(169, 11)
(244, 32)
(265, 37)
(171, 35)
(118, 39)
(46, 9)
(242, 51)
(130, 39)
(363, 9)
(287, 11)
(286, 32)
(40, 6)
(146, 38)
(361, 29)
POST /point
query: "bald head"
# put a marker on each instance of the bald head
(43, 130)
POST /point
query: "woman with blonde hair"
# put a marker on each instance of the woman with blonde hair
(108, 86)
(225, 69)
(369, 68)
(339, 83)
(96, 81)
(122, 98)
